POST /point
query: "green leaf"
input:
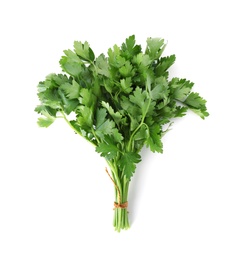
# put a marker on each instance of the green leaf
(102, 65)
(41, 87)
(117, 136)
(85, 117)
(53, 81)
(109, 85)
(59, 79)
(160, 94)
(160, 89)
(75, 125)
(155, 48)
(106, 127)
(197, 104)
(84, 51)
(72, 90)
(46, 111)
(100, 116)
(50, 97)
(180, 111)
(126, 85)
(72, 56)
(115, 59)
(45, 121)
(164, 64)
(127, 163)
(117, 117)
(133, 112)
(142, 60)
(195, 101)
(68, 105)
(180, 88)
(140, 137)
(127, 70)
(41, 109)
(154, 139)
(129, 44)
(86, 97)
(129, 48)
(141, 134)
(141, 99)
(107, 149)
(71, 63)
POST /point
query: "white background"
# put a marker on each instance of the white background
(55, 198)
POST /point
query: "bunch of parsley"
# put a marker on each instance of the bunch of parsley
(120, 103)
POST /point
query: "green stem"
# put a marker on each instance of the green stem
(131, 141)
(121, 220)
(120, 215)
(129, 148)
(115, 175)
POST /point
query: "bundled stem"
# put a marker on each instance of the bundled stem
(121, 220)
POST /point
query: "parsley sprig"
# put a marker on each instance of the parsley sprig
(120, 102)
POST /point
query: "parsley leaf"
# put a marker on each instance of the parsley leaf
(129, 48)
(71, 63)
(180, 88)
(84, 51)
(155, 48)
(154, 139)
(197, 104)
(107, 149)
(127, 163)
(102, 65)
(164, 64)
(72, 90)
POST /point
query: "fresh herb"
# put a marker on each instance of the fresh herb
(120, 102)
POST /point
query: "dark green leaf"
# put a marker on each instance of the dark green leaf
(127, 163)
(129, 48)
(164, 64)
(115, 115)
(154, 139)
(107, 150)
(197, 104)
